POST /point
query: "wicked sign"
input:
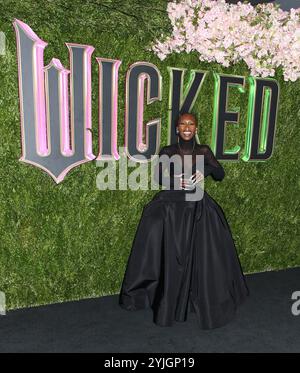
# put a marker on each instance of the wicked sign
(55, 108)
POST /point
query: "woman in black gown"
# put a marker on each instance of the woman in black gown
(183, 257)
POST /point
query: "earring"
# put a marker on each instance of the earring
(177, 132)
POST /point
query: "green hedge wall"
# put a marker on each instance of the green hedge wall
(71, 240)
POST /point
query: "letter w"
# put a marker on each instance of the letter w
(48, 141)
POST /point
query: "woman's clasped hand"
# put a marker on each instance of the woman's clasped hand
(190, 183)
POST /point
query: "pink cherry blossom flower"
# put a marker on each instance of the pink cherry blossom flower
(264, 36)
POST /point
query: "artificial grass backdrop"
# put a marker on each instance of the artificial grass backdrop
(70, 241)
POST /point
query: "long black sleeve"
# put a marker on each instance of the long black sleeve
(211, 165)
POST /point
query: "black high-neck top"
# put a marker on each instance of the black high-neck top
(211, 165)
(186, 145)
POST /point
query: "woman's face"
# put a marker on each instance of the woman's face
(187, 126)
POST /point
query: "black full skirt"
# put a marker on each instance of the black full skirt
(183, 259)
